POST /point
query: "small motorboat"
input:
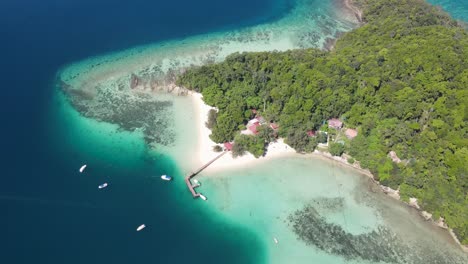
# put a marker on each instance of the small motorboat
(196, 183)
(141, 227)
(82, 168)
(203, 197)
(276, 240)
(166, 178)
(102, 186)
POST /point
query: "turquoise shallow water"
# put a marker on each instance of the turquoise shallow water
(307, 24)
(317, 210)
(57, 215)
(246, 208)
(456, 8)
(178, 228)
(322, 212)
(53, 214)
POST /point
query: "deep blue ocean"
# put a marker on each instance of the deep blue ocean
(52, 214)
(49, 212)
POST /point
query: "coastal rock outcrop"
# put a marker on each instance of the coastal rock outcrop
(134, 101)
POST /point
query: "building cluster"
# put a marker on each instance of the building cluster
(338, 124)
(253, 124)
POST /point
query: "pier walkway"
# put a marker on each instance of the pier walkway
(193, 174)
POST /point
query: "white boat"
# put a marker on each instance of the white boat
(276, 240)
(82, 168)
(141, 227)
(104, 185)
(203, 197)
(166, 178)
(196, 183)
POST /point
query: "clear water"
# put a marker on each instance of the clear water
(456, 8)
(349, 219)
(53, 214)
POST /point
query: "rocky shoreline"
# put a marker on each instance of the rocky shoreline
(413, 203)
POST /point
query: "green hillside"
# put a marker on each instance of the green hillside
(401, 80)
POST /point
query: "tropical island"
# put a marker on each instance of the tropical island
(391, 95)
(386, 97)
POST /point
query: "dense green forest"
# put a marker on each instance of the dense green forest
(401, 79)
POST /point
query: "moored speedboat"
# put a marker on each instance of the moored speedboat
(82, 168)
(140, 227)
(104, 185)
(196, 183)
(203, 197)
(166, 178)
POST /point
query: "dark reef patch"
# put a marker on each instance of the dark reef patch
(128, 109)
(379, 245)
(313, 228)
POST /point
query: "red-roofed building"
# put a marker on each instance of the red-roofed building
(335, 123)
(311, 133)
(253, 127)
(228, 146)
(351, 133)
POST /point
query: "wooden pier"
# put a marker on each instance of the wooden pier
(193, 174)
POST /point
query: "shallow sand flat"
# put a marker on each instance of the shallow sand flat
(307, 25)
(263, 197)
(352, 220)
(99, 87)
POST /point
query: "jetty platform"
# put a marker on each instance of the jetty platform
(193, 174)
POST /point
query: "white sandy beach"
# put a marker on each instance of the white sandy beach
(205, 145)
(204, 152)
